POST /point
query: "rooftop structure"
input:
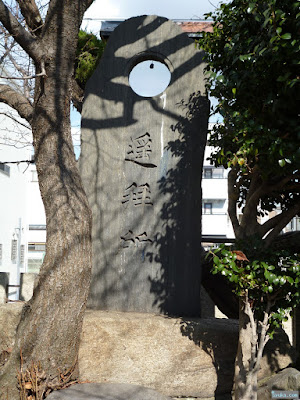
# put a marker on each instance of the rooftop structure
(191, 27)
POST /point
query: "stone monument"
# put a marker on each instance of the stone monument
(141, 164)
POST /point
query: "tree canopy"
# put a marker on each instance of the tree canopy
(253, 71)
(253, 64)
(88, 53)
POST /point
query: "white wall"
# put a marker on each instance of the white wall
(214, 191)
(13, 199)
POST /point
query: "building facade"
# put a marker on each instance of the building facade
(22, 217)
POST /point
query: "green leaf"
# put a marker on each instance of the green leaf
(286, 36)
(250, 8)
(267, 274)
(282, 280)
(216, 260)
(281, 162)
(276, 281)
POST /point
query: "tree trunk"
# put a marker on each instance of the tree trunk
(245, 379)
(219, 289)
(50, 326)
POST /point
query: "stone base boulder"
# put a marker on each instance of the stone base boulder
(286, 380)
(106, 391)
(177, 357)
(9, 319)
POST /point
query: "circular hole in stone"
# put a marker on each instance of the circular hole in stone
(149, 78)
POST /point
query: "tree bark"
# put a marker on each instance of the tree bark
(50, 326)
(251, 345)
(245, 379)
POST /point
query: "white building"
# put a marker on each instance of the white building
(21, 208)
(215, 220)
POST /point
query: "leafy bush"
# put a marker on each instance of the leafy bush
(88, 54)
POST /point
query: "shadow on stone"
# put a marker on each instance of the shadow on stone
(219, 346)
(107, 391)
(141, 164)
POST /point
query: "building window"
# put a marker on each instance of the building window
(34, 265)
(14, 244)
(218, 173)
(22, 254)
(207, 208)
(213, 173)
(207, 173)
(36, 246)
(5, 169)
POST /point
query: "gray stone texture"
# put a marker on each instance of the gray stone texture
(9, 319)
(141, 163)
(175, 356)
(286, 380)
(178, 357)
(107, 391)
(27, 284)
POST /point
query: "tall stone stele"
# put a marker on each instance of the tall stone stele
(141, 164)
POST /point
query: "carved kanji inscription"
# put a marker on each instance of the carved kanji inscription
(138, 195)
(130, 239)
(140, 150)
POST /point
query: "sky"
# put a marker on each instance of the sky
(123, 9)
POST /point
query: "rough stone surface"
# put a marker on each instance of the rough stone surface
(191, 358)
(288, 379)
(4, 279)
(177, 357)
(9, 319)
(27, 285)
(141, 163)
(107, 391)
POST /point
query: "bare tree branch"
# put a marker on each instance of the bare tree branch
(279, 185)
(17, 101)
(7, 50)
(11, 58)
(43, 73)
(56, 5)
(272, 222)
(31, 14)
(20, 34)
(20, 69)
(264, 337)
(286, 217)
(15, 120)
(289, 240)
(233, 196)
(254, 185)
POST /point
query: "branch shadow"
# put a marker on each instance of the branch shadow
(179, 235)
(175, 293)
